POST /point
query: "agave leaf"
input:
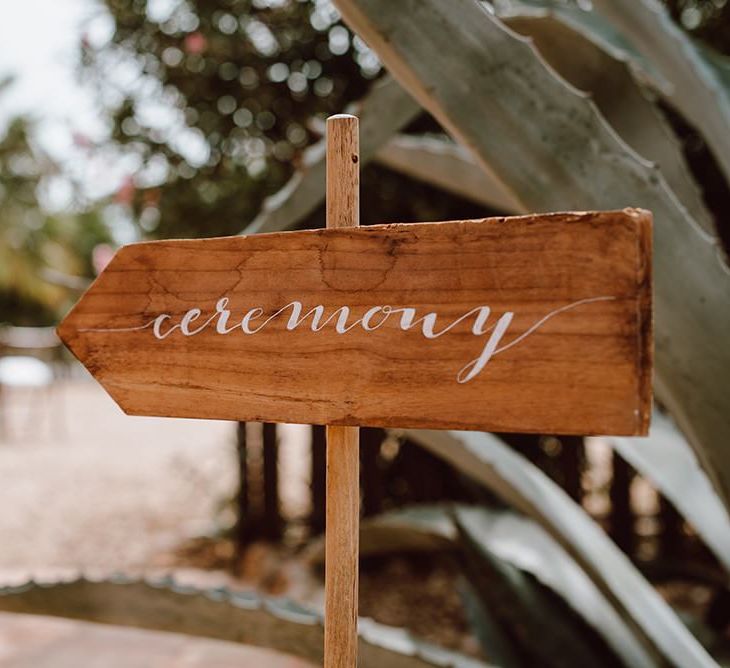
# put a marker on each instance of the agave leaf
(521, 484)
(525, 545)
(593, 26)
(605, 70)
(495, 642)
(666, 459)
(425, 528)
(526, 609)
(718, 61)
(552, 149)
(515, 540)
(447, 165)
(384, 110)
(416, 528)
(246, 618)
(698, 91)
(621, 100)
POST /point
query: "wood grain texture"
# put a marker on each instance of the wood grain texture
(342, 508)
(342, 547)
(584, 371)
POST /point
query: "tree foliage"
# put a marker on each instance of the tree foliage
(240, 82)
(237, 82)
(34, 243)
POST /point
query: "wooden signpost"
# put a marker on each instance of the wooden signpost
(539, 323)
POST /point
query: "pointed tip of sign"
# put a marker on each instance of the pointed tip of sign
(67, 332)
(62, 330)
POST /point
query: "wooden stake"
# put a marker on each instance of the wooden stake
(343, 458)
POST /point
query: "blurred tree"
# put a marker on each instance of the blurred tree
(220, 109)
(34, 244)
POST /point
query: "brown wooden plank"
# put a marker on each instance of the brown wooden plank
(585, 370)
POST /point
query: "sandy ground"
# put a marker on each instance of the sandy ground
(42, 642)
(83, 485)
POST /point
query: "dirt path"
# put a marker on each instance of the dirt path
(42, 642)
(106, 490)
(109, 493)
(84, 487)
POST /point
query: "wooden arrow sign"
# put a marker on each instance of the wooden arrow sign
(538, 323)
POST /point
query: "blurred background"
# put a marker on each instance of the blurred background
(127, 120)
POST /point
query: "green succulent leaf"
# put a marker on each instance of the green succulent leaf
(488, 460)
(666, 459)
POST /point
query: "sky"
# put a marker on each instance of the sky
(39, 46)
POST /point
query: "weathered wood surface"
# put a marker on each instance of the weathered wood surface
(342, 543)
(342, 508)
(586, 369)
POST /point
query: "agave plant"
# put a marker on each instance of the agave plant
(550, 106)
(545, 106)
